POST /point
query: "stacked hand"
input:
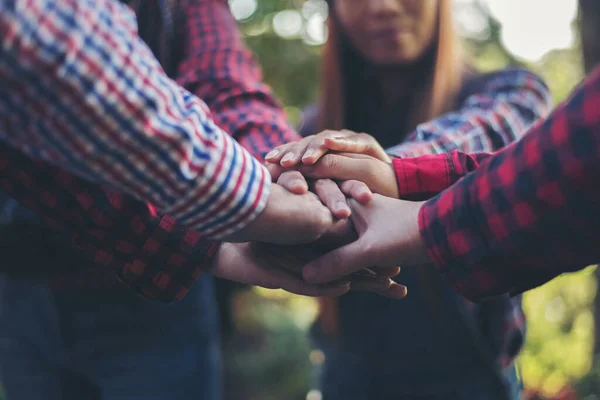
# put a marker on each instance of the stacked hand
(323, 243)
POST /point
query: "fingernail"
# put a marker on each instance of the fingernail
(272, 153)
(287, 157)
(299, 184)
(307, 154)
(341, 205)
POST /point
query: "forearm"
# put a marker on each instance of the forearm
(423, 177)
(491, 117)
(104, 110)
(529, 213)
(151, 253)
(222, 71)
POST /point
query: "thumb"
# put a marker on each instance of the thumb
(337, 264)
(276, 170)
(359, 143)
(346, 145)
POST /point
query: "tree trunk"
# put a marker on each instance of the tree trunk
(589, 19)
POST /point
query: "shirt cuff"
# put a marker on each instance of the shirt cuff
(233, 193)
(424, 176)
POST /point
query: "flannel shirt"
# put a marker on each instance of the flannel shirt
(423, 177)
(154, 254)
(496, 110)
(527, 214)
(83, 92)
(493, 110)
(499, 107)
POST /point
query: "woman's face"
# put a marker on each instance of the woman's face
(389, 32)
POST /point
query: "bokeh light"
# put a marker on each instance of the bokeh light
(288, 23)
(242, 9)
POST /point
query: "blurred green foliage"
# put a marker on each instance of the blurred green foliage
(559, 343)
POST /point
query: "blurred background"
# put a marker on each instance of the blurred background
(267, 351)
(268, 354)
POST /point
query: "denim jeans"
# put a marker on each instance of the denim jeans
(110, 345)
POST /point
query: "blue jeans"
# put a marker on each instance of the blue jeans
(344, 387)
(110, 345)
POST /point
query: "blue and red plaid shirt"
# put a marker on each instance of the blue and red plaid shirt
(83, 92)
(198, 43)
(529, 212)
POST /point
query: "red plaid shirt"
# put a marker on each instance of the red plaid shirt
(151, 253)
(527, 214)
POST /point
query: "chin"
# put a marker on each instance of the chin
(394, 56)
(393, 59)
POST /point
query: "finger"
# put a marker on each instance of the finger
(395, 291)
(382, 286)
(297, 286)
(389, 272)
(275, 155)
(331, 195)
(338, 167)
(338, 263)
(375, 284)
(368, 272)
(316, 148)
(275, 170)
(360, 143)
(293, 153)
(294, 182)
(359, 191)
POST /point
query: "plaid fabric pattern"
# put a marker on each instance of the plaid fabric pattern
(527, 214)
(423, 177)
(206, 37)
(83, 92)
(220, 70)
(152, 254)
(498, 110)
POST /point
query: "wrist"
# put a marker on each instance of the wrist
(413, 250)
(392, 179)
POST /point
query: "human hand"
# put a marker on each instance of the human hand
(287, 218)
(290, 218)
(379, 176)
(388, 235)
(293, 258)
(239, 262)
(311, 148)
(326, 190)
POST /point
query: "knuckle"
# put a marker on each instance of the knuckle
(324, 184)
(350, 185)
(320, 184)
(367, 139)
(330, 162)
(294, 175)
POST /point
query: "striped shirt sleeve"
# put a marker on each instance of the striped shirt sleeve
(499, 109)
(82, 92)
